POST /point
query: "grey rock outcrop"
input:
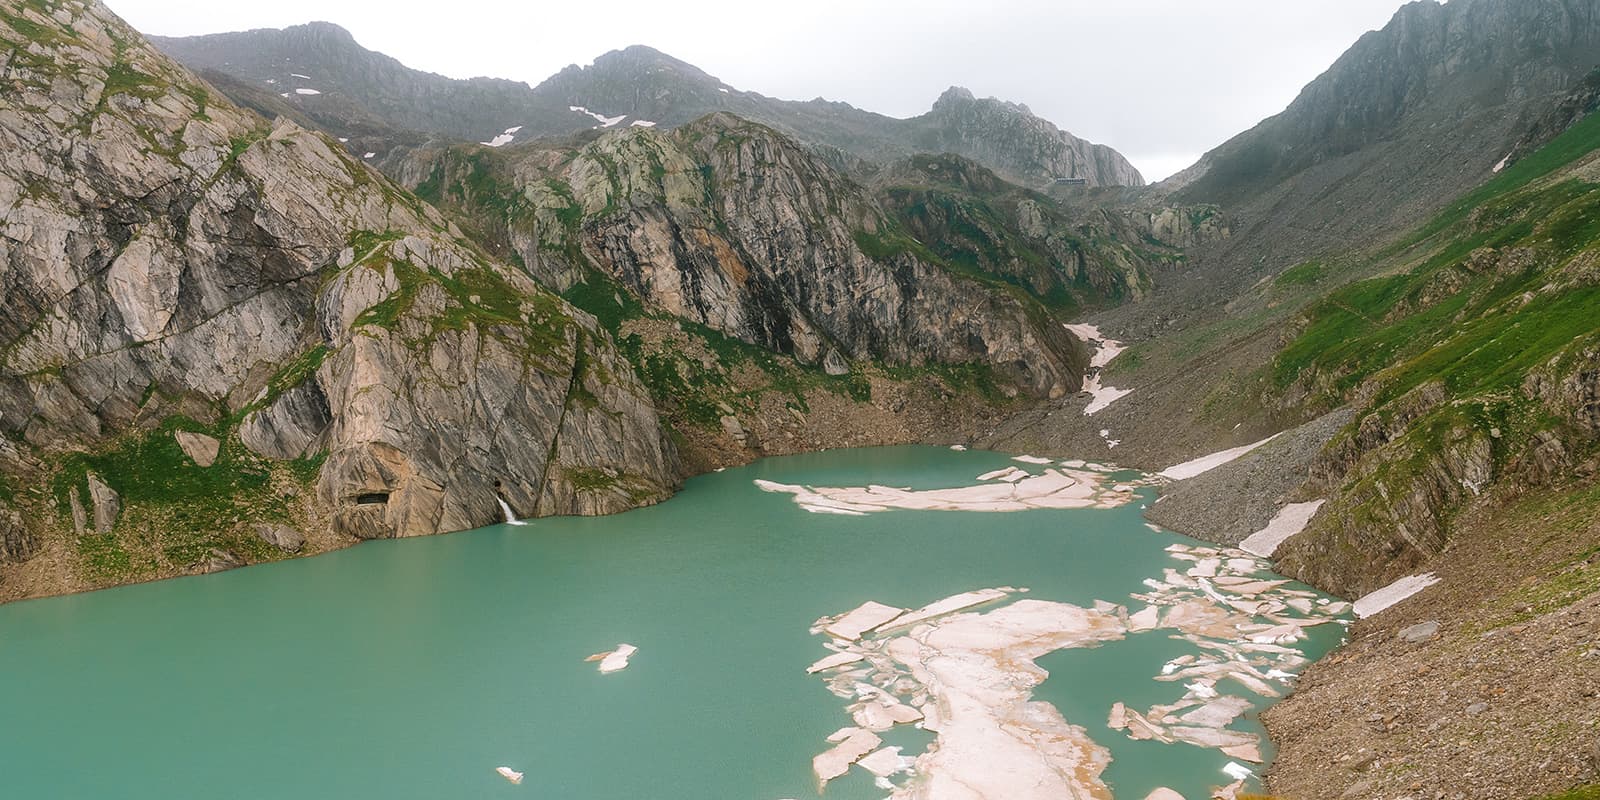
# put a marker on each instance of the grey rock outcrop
(289, 427)
(105, 504)
(219, 560)
(1009, 139)
(80, 516)
(733, 225)
(162, 250)
(1437, 101)
(1420, 632)
(280, 536)
(202, 449)
(18, 540)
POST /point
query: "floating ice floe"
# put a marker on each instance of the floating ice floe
(1204, 464)
(1288, 522)
(1244, 623)
(1101, 397)
(605, 121)
(1055, 488)
(1393, 593)
(503, 139)
(884, 763)
(968, 677)
(949, 605)
(959, 448)
(863, 618)
(1009, 474)
(1036, 460)
(833, 662)
(307, 91)
(614, 660)
(853, 744)
(509, 774)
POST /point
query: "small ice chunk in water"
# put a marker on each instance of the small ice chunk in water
(614, 660)
(1033, 460)
(1237, 771)
(509, 774)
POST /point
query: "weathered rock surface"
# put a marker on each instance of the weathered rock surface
(18, 541)
(80, 516)
(164, 251)
(219, 560)
(105, 504)
(1009, 139)
(1420, 632)
(281, 536)
(1059, 247)
(201, 448)
(732, 225)
(1434, 103)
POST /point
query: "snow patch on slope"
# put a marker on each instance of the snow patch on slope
(504, 138)
(605, 121)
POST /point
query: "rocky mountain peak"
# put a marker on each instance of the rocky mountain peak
(956, 98)
(1011, 140)
(1446, 90)
(261, 286)
(954, 94)
(380, 105)
(638, 57)
(320, 29)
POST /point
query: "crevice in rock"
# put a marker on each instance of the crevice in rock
(575, 376)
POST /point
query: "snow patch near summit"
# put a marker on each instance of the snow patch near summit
(504, 138)
(605, 121)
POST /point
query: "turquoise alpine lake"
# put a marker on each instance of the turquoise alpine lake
(414, 668)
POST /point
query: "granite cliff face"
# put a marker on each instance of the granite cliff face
(1009, 139)
(731, 225)
(1412, 115)
(170, 263)
(319, 72)
(1069, 256)
(211, 317)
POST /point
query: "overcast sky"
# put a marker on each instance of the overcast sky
(1160, 80)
